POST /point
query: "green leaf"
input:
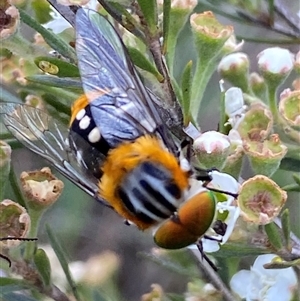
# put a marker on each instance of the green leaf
(52, 39)
(57, 67)
(166, 23)
(14, 182)
(121, 15)
(5, 53)
(57, 104)
(7, 96)
(17, 297)
(5, 159)
(290, 164)
(271, 12)
(149, 9)
(170, 264)
(291, 187)
(42, 11)
(286, 227)
(223, 117)
(177, 90)
(296, 179)
(186, 85)
(141, 61)
(10, 285)
(97, 296)
(274, 236)
(42, 264)
(20, 283)
(61, 255)
(53, 81)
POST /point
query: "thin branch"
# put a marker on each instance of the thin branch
(170, 100)
(276, 28)
(214, 278)
(68, 12)
(56, 294)
(27, 272)
(292, 20)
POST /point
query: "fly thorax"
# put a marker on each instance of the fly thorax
(150, 192)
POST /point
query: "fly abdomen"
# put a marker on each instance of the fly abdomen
(149, 192)
(143, 181)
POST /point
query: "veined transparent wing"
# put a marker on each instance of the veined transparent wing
(116, 94)
(49, 138)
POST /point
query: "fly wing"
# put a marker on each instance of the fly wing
(49, 138)
(119, 101)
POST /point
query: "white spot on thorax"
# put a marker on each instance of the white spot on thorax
(94, 135)
(80, 114)
(84, 122)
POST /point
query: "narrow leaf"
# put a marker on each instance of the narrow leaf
(42, 264)
(141, 61)
(61, 255)
(273, 236)
(5, 53)
(42, 11)
(5, 281)
(53, 81)
(166, 23)
(122, 16)
(286, 227)
(149, 10)
(169, 264)
(57, 104)
(223, 117)
(186, 85)
(290, 164)
(52, 39)
(97, 296)
(7, 96)
(296, 179)
(17, 297)
(271, 12)
(57, 67)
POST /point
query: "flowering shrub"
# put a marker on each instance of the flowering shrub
(241, 212)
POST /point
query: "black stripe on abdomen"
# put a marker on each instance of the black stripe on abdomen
(126, 201)
(149, 192)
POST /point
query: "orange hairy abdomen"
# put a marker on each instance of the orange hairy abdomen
(127, 156)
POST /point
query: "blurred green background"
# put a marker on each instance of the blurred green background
(86, 228)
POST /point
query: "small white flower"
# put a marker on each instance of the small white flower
(260, 284)
(233, 61)
(231, 45)
(234, 106)
(211, 141)
(235, 138)
(276, 60)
